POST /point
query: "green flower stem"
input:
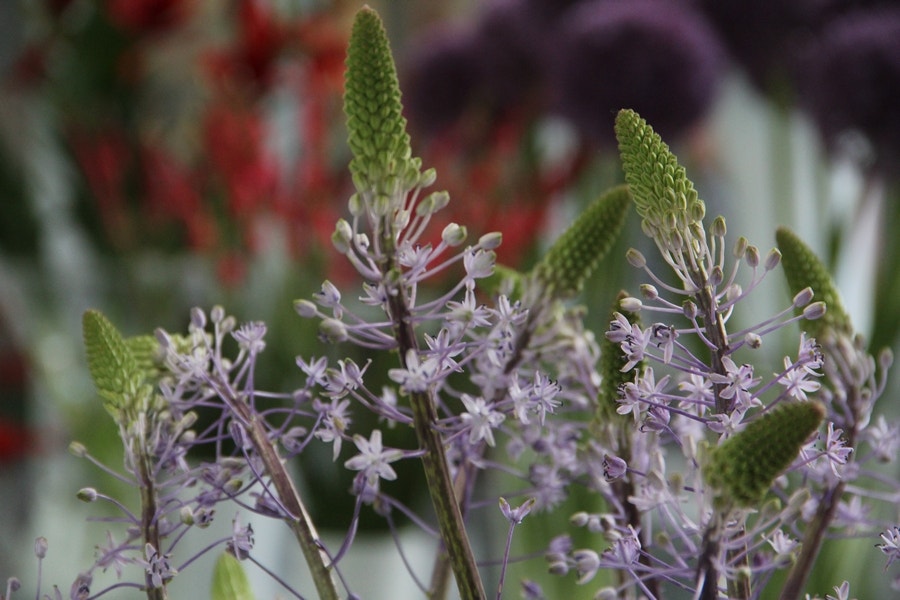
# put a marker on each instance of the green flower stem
(441, 487)
(149, 505)
(299, 522)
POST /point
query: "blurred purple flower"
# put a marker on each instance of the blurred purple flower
(764, 37)
(658, 57)
(439, 79)
(509, 46)
(851, 81)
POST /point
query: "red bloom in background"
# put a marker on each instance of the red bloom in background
(148, 16)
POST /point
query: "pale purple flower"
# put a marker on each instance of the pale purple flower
(737, 382)
(157, 566)
(796, 380)
(480, 419)
(250, 336)
(241, 542)
(417, 375)
(587, 563)
(374, 459)
(479, 263)
(836, 450)
(334, 422)
(891, 545)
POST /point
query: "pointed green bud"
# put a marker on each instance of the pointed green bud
(802, 268)
(611, 362)
(574, 256)
(378, 140)
(111, 363)
(664, 197)
(744, 466)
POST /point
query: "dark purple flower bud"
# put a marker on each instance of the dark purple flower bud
(657, 57)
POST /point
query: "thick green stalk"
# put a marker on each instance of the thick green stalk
(299, 520)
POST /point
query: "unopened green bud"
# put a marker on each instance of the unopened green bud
(744, 466)
(453, 234)
(802, 268)
(578, 251)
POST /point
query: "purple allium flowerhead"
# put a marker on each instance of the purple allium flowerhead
(657, 57)
(851, 81)
(439, 79)
(509, 46)
(763, 36)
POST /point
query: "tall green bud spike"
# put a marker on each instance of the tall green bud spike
(803, 269)
(574, 256)
(112, 365)
(612, 359)
(744, 466)
(664, 197)
(381, 162)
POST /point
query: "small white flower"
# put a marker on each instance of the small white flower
(373, 459)
(480, 419)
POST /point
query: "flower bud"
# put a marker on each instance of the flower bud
(773, 259)
(635, 258)
(803, 297)
(453, 234)
(630, 304)
(752, 256)
(40, 547)
(814, 311)
(87, 494)
(342, 236)
(305, 308)
(649, 291)
(77, 449)
(491, 240)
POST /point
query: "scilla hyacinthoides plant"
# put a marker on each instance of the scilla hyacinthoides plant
(711, 477)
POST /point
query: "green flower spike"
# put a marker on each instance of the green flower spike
(381, 165)
(574, 256)
(664, 197)
(612, 359)
(744, 466)
(803, 269)
(112, 364)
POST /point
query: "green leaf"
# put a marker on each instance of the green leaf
(803, 269)
(664, 197)
(230, 582)
(110, 361)
(575, 255)
(744, 466)
(378, 140)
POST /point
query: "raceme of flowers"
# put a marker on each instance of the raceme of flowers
(713, 473)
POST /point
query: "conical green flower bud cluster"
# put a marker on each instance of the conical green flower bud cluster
(744, 466)
(574, 256)
(112, 365)
(612, 359)
(665, 198)
(122, 369)
(381, 163)
(803, 269)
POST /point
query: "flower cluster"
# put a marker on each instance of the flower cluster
(710, 474)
